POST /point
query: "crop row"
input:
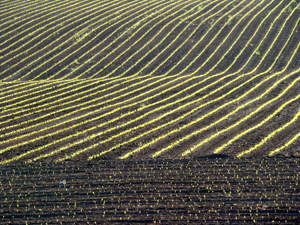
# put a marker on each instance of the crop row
(180, 112)
(122, 10)
(168, 191)
(75, 63)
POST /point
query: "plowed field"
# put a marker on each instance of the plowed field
(148, 80)
(215, 190)
(143, 79)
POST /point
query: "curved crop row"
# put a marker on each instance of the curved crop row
(123, 79)
(178, 130)
(138, 13)
(153, 18)
(61, 19)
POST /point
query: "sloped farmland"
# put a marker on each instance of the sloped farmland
(143, 79)
(122, 101)
(216, 190)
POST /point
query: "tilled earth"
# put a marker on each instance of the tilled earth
(78, 79)
(202, 190)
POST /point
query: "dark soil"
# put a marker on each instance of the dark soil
(75, 73)
(207, 190)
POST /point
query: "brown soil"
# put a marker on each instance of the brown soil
(172, 189)
(197, 191)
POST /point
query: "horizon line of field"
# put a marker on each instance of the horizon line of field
(295, 51)
(236, 15)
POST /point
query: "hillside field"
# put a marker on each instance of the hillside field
(96, 83)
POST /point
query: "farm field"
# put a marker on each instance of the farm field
(164, 191)
(151, 81)
(144, 79)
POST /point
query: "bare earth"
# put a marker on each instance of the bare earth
(208, 190)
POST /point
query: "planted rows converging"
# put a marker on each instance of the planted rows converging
(143, 79)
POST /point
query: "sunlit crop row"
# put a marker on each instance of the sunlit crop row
(92, 136)
(35, 11)
(190, 36)
(197, 132)
(215, 75)
(112, 111)
(153, 16)
(18, 86)
(269, 117)
(256, 31)
(199, 55)
(207, 13)
(119, 14)
(37, 25)
(144, 23)
(94, 119)
(207, 140)
(180, 129)
(187, 126)
(159, 127)
(286, 145)
(161, 42)
(26, 93)
(248, 116)
(185, 41)
(271, 135)
(126, 113)
(9, 7)
(58, 103)
(148, 42)
(54, 48)
(68, 128)
(40, 89)
(248, 103)
(41, 98)
(83, 26)
(86, 114)
(55, 30)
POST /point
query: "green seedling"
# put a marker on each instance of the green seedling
(229, 21)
